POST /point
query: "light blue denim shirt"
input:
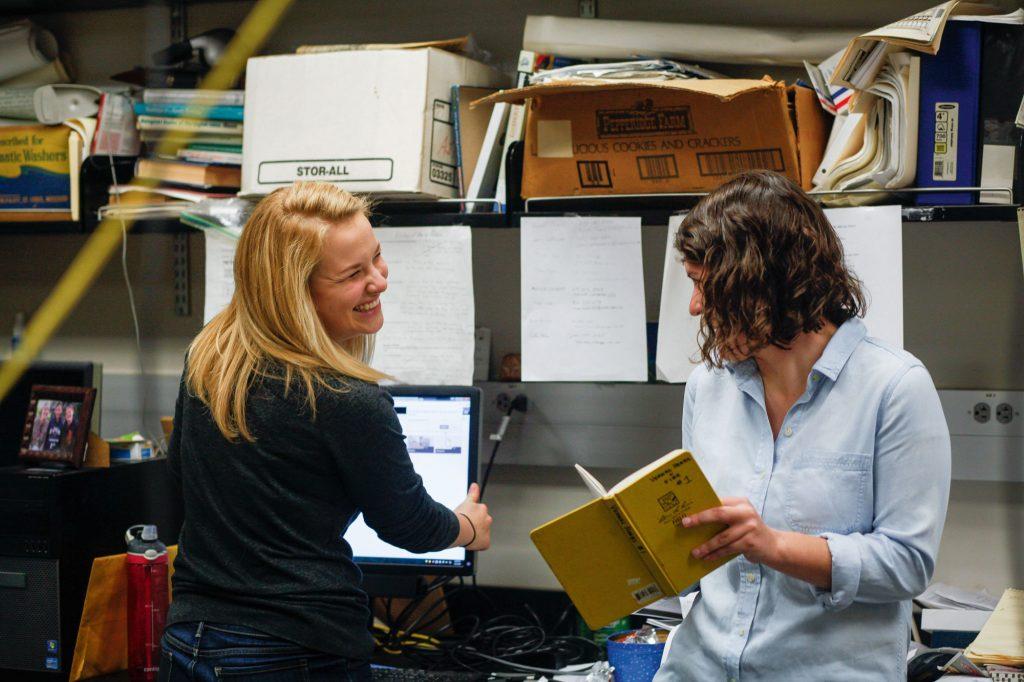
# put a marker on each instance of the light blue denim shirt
(862, 459)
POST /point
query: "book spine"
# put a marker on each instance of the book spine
(457, 134)
(202, 156)
(178, 110)
(516, 120)
(229, 98)
(664, 584)
(188, 124)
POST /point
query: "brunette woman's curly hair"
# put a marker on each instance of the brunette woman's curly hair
(773, 266)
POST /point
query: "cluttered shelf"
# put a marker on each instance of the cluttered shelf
(495, 160)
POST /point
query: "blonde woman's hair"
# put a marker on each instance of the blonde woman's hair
(271, 318)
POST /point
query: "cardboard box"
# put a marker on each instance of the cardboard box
(369, 120)
(645, 136)
(39, 170)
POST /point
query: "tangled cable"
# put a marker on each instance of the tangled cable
(508, 642)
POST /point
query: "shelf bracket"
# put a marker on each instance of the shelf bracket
(179, 20)
(182, 283)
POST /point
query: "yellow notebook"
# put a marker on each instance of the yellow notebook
(626, 549)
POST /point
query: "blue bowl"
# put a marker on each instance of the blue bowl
(634, 662)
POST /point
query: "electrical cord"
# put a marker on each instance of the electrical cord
(519, 404)
(473, 644)
(134, 310)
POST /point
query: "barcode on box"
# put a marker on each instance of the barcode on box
(730, 163)
(657, 167)
(594, 174)
(646, 593)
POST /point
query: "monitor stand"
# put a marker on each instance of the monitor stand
(400, 586)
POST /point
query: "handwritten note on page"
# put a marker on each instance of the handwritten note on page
(583, 316)
(428, 308)
(220, 273)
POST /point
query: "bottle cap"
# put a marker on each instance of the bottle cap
(149, 533)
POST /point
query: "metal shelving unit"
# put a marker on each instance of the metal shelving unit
(388, 215)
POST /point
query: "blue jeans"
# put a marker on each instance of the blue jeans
(205, 652)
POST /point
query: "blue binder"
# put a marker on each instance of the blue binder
(947, 142)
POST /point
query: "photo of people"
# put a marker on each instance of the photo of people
(55, 426)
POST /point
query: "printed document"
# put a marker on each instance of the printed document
(872, 239)
(428, 307)
(583, 313)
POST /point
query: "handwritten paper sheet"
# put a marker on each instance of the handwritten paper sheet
(427, 337)
(583, 315)
(220, 273)
(872, 239)
(677, 329)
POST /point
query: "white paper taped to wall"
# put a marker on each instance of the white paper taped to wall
(677, 330)
(428, 333)
(583, 313)
(220, 273)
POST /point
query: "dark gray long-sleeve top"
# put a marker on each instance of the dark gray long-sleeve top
(261, 544)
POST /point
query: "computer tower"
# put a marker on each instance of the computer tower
(52, 525)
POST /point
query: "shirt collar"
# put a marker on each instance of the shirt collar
(840, 347)
(838, 350)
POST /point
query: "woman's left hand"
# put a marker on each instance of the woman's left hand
(746, 534)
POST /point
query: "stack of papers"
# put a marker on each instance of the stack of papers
(648, 68)
(942, 596)
(1001, 641)
(865, 54)
(874, 146)
(835, 99)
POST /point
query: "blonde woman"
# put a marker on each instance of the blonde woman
(281, 437)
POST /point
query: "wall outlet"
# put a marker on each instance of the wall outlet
(984, 413)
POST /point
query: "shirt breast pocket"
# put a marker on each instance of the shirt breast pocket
(827, 492)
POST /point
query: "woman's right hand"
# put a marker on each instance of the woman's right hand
(474, 522)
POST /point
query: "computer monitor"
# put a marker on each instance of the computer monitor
(442, 430)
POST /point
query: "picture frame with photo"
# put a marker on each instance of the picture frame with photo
(57, 425)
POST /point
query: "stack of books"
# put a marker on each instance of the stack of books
(192, 148)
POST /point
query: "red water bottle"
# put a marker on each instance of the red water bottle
(147, 601)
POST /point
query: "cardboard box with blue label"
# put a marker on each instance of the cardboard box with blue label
(369, 120)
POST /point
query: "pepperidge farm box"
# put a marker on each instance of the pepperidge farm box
(369, 120)
(644, 135)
